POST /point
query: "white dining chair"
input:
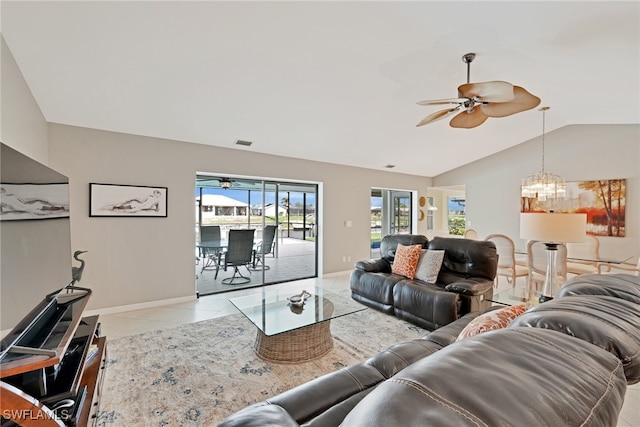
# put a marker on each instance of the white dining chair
(582, 258)
(507, 267)
(625, 267)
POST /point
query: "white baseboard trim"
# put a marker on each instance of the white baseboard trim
(139, 306)
(337, 273)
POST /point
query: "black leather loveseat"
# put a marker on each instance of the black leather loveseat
(566, 362)
(464, 284)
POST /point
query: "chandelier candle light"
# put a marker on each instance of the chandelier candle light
(553, 229)
(543, 185)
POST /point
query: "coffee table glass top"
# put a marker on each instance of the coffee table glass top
(515, 296)
(271, 312)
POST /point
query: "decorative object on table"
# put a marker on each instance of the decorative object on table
(552, 229)
(127, 200)
(477, 102)
(76, 272)
(299, 299)
(34, 201)
(541, 190)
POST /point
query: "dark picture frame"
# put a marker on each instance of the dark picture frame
(34, 201)
(114, 200)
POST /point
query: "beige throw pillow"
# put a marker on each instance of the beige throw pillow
(429, 265)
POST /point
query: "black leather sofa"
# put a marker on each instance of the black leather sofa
(464, 284)
(566, 362)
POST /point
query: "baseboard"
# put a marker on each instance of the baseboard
(139, 306)
(337, 273)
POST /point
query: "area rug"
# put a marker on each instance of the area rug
(200, 373)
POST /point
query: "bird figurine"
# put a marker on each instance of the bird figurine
(76, 272)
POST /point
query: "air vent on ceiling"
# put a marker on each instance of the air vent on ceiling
(245, 143)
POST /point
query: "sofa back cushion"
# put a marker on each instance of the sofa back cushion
(544, 379)
(466, 258)
(610, 323)
(390, 242)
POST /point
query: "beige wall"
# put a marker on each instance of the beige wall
(22, 125)
(578, 153)
(136, 260)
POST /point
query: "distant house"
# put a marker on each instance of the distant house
(214, 205)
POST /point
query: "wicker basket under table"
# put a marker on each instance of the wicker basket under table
(300, 345)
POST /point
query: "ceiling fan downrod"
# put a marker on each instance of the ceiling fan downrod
(468, 59)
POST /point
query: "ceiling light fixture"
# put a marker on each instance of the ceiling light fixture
(543, 185)
(225, 183)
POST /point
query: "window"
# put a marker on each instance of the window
(456, 215)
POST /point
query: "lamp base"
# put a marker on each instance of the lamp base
(544, 298)
(550, 280)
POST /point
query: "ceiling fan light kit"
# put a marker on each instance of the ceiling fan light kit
(477, 102)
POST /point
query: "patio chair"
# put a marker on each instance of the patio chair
(264, 247)
(239, 253)
(209, 233)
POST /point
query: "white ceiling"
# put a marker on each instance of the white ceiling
(329, 81)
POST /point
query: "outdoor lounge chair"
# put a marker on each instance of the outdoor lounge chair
(239, 253)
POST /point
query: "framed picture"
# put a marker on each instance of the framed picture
(34, 201)
(127, 200)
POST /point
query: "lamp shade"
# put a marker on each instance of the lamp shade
(553, 227)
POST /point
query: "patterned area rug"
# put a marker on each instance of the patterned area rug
(200, 373)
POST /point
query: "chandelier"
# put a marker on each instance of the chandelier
(543, 185)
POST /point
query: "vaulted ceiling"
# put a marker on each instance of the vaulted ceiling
(329, 81)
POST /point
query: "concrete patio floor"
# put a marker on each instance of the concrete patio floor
(296, 259)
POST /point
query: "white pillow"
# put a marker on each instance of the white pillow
(429, 265)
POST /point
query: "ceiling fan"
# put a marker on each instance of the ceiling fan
(477, 102)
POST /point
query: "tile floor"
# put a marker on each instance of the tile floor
(212, 306)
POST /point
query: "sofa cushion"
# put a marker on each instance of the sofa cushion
(260, 415)
(625, 286)
(539, 381)
(389, 243)
(374, 289)
(466, 258)
(429, 265)
(610, 323)
(492, 320)
(406, 260)
(425, 304)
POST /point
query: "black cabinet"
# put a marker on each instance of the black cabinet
(52, 364)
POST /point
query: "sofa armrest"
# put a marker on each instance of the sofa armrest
(378, 265)
(471, 286)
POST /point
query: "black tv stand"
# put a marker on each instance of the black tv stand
(52, 364)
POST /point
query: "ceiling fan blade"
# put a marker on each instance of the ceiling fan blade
(523, 101)
(443, 101)
(496, 91)
(468, 120)
(437, 116)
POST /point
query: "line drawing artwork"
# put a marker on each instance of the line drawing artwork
(34, 201)
(122, 200)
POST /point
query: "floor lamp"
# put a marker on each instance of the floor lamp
(552, 229)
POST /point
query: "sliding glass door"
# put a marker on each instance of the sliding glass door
(283, 217)
(391, 213)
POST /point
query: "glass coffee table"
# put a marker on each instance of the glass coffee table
(289, 333)
(515, 296)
